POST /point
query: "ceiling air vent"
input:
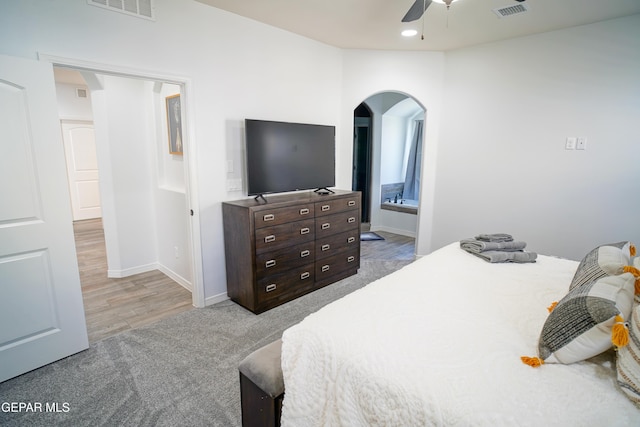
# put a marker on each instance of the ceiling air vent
(139, 8)
(511, 10)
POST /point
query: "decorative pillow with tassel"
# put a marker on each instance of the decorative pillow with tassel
(587, 321)
(606, 260)
(628, 360)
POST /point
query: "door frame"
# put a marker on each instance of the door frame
(189, 154)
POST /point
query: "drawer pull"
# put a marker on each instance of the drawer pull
(270, 263)
(326, 226)
(305, 253)
(269, 217)
(325, 268)
(351, 239)
(304, 211)
(325, 208)
(271, 287)
(270, 238)
(351, 219)
(304, 230)
(325, 247)
(352, 203)
(351, 258)
(305, 275)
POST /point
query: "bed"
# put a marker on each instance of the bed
(439, 342)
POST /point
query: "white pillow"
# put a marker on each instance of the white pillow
(628, 360)
(605, 260)
(580, 326)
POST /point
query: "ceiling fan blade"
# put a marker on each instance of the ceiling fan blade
(416, 11)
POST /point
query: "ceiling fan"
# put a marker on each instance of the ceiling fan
(417, 9)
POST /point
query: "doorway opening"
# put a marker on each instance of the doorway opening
(387, 161)
(361, 180)
(135, 256)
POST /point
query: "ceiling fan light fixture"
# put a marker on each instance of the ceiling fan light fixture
(445, 2)
(409, 33)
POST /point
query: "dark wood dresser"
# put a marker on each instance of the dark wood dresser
(289, 245)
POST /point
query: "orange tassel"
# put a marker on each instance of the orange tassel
(552, 306)
(636, 274)
(632, 249)
(534, 362)
(620, 332)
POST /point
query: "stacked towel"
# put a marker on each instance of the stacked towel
(498, 247)
(496, 237)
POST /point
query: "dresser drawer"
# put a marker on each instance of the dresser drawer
(270, 217)
(293, 281)
(280, 260)
(336, 264)
(337, 223)
(329, 246)
(337, 205)
(284, 235)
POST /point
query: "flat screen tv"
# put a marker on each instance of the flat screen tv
(284, 156)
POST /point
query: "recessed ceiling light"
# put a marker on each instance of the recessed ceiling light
(409, 33)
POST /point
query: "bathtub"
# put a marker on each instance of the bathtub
(403, 205)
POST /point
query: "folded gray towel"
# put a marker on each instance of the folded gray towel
(501, 256)
(477, 246)
(495, 237)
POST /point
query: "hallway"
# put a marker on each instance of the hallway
(115, 305)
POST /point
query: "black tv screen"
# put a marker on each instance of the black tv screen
(284, 156)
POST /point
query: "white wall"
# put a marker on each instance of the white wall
(236, 68)
(418, 74)
(509, 106)
(170, 204)
(125, 159)
(70, 107)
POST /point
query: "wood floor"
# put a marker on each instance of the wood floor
(393, 247)
(115, 305)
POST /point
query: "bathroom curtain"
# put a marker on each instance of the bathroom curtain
(414, 163)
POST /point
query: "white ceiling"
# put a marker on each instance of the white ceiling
(376, 24)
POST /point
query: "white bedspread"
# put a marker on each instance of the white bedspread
(439, 343)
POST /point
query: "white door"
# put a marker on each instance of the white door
(82, 169)
(41, 309)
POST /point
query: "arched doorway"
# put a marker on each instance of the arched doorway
(387, 148)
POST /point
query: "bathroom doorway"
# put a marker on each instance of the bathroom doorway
(361, 180)
(387, 161)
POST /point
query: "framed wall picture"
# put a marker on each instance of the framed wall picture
(174, 124)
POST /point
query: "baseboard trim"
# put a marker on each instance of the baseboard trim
(119, 274)
(176, 277)
(216, 299)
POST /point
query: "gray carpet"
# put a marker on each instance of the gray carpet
(180, 371)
